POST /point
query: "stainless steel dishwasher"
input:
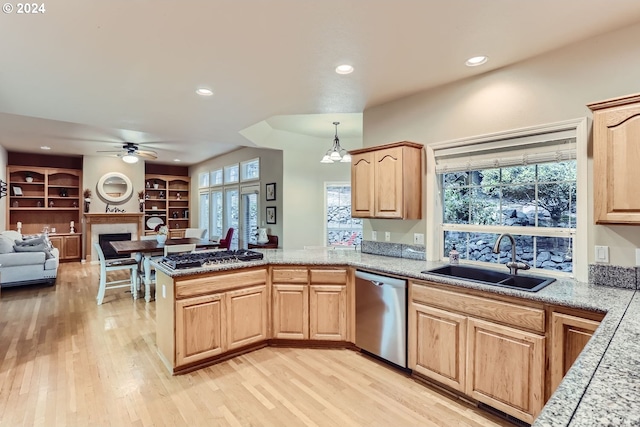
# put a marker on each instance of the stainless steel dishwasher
(381, 316)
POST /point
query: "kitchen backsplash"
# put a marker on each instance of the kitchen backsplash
(398, 250)
(614, 276)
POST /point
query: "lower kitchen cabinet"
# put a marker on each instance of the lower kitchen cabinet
(247, 316)
(506, 368)
(488, 349)
(309, 303)
(200, 328)
(437, 344)
(328, 312)
(290, 311)
(569, 335)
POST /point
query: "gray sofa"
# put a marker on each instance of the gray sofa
(27, 261)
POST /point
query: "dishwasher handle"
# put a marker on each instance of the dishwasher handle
(379, 280)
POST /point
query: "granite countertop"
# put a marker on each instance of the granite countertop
(600, 388)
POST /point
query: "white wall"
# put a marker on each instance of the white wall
(96, 166)
(303, 181)
(550, 88)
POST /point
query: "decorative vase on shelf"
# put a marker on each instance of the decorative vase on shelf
(161, 238)
(29, 179)
(262, 236)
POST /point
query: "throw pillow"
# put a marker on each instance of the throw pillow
(31, 242)
(42, 247)
(6, 245)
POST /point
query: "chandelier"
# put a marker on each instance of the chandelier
(336, 153)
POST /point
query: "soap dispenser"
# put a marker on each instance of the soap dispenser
(454, 256)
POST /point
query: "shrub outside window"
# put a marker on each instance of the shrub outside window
(538, 202)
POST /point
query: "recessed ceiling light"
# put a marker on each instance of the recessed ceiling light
(176, 160)
(476, 60)
(203, 91)
(344, 69)
(45, 147)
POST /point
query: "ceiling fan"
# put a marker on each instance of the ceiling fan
(131, 153)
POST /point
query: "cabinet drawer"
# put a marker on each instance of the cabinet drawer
(329, 276)
(289, 275)
(499, 311)
(210, 284)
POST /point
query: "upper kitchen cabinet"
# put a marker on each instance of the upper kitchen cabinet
(616, 156)
(386, 181)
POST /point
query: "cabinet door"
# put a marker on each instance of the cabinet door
(362, 185)
(569, 335)
(328, 312)
(58, 243)
(615, 161)
(290, 311)
(505, 368)
(72, 247)
(437, 344)
(388, 183)
(200, 328)
(246, 316)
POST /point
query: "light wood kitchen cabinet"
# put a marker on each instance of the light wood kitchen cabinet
(437, 344)
(247, 316)
(616, 155)
(200, 328)
(492, 350)
(506, 368)
(569, 336)
(203, 316)
(386, 181)
(328, 304)
(68, 245)
(290, 311)
(310, 303)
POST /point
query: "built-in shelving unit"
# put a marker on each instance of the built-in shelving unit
(166, 200)
(47, 197)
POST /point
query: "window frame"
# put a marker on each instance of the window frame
(328, 184)
(578, 128)
(243, 166)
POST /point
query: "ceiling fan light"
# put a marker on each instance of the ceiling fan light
(130, 158)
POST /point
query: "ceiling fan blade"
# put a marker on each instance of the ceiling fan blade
(146, 154)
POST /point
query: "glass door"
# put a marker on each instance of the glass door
(250, 208)
(231, 207)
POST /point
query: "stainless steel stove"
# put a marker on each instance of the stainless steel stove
(201, 259)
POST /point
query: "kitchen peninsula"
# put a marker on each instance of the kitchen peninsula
(241, 306)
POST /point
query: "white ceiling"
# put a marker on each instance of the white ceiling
(87, 75)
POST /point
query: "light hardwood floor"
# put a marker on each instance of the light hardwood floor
(64, 361)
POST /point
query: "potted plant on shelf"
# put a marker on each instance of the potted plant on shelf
(28, 177)
(87, 199)
(141, 200)
(162, 233)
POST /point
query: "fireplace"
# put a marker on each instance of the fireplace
(107, 249)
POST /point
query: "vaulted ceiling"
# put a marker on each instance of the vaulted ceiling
(83, 76)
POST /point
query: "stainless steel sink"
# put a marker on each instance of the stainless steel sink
(491, 277)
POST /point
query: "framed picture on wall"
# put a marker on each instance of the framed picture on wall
(271, 215)
(271, 191)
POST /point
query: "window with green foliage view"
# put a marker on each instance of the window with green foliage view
(535, 203)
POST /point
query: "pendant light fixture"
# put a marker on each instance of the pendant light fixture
(336, 153)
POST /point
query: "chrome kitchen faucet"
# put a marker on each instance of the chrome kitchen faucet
(513, 265)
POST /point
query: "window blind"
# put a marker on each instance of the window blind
(505, 150)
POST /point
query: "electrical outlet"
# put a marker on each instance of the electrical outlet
(387, 236)
(638, 257)
(164, 291)
(418, 239)
(374, 236)
(602, 253)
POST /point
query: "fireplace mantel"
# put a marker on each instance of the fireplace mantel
(109, 218)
